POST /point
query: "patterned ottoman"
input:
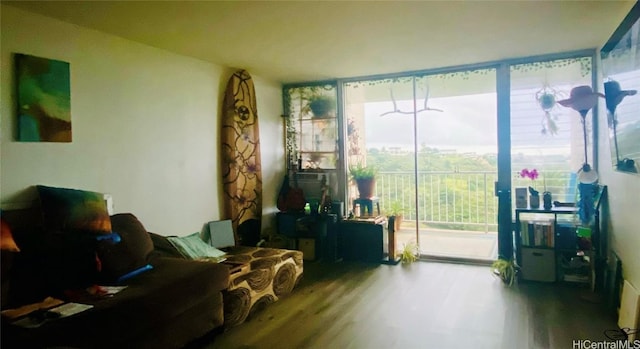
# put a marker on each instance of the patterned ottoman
(259, 276)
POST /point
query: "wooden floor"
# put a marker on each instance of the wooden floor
(421, 305)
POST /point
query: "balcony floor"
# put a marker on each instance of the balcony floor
(452, 243)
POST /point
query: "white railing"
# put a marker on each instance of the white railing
(462, 200)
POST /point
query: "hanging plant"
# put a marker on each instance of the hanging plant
(463, 74)
(322, 106)
(546, 98)
(291, 139)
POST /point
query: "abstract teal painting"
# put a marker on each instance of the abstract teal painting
(43, 99)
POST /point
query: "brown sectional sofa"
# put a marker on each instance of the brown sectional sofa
(69, 244)
(168, 306)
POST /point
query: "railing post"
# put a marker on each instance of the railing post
(486, 202)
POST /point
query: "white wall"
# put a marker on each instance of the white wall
(145, 126)
(624, 203)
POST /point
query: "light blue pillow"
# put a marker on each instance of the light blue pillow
(192, 247)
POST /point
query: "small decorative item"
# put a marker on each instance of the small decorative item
(521, 197)
(44, 99)
(534, 195)
(546, 200)
(546, 98)
(532, 175)
(534, 198)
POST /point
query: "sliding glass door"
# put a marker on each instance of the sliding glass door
(381, 121)
(433, 139)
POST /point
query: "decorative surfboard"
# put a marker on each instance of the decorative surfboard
(241, 171)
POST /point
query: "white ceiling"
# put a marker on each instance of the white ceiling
(317, 40)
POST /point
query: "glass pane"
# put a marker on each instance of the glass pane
(380, 128)
(312, 128)
(311, 142)
(546, 136)
(457, 164)
(380, 134)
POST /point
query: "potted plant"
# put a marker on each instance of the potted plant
(506, 270)
(409, 253)
(365, 178)
(322, 106)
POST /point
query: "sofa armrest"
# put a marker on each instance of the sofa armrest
(162, 247)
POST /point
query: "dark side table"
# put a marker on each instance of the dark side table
(366, 241)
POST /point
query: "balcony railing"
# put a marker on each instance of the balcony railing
(462, 200)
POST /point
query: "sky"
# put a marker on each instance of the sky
(466, 122)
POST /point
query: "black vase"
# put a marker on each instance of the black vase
(534, 201)
(546, 200)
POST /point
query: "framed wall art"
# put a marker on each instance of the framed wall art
(43, 99)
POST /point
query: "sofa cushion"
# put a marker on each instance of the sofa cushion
(59, 253)
(130, 253)
(71, 210)
(193, 247)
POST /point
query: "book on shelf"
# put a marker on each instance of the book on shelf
(537, 233)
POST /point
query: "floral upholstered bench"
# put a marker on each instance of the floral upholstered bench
(259, 276)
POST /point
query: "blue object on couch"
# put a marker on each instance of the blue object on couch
(131, 274)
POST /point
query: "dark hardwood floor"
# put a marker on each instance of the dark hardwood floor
(422, 305)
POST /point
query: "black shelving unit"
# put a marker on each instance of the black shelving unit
(560, 255)
(536, 248)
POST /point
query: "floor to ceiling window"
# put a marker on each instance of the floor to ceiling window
(448, 144)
